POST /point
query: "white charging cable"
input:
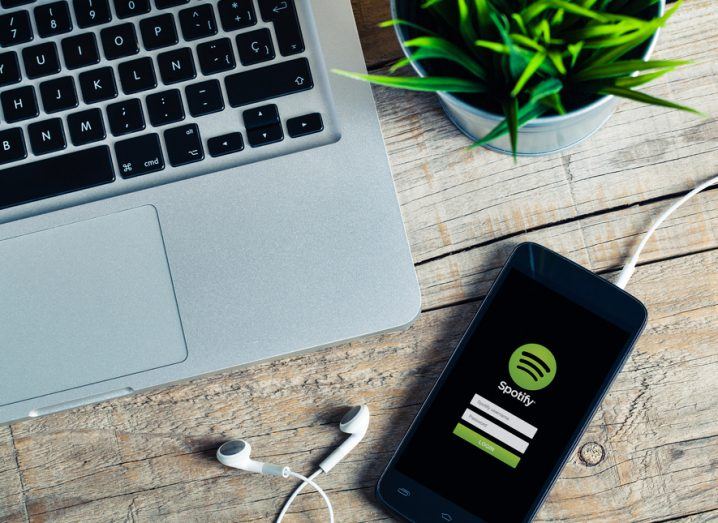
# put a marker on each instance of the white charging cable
(630, 266)
(287, 472)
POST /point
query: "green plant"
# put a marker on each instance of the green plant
(528, 58)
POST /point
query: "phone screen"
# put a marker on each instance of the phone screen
(514, 397)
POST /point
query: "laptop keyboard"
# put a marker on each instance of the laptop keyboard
(97, 92)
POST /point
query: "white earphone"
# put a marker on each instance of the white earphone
(237, 454)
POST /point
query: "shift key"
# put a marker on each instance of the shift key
(141, 155)
(269, 82)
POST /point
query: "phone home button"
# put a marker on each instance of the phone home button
(404, 492)
(446, 517)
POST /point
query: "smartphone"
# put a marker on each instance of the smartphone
(516, 394)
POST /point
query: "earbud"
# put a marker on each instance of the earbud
(236, 454)
(355, 423)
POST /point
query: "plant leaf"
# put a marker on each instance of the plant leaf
(418, 83)
(625, 68)
(493, 46)
(396, 21)
(645, 98)
(635, 81)
(528, 72)
(511, 110)
(435, 47)
(527, 113)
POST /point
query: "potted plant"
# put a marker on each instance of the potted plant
(529, 76)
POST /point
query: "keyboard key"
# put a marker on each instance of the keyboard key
(19, 104)
(90, 13)
(86, 127)
(204, 98)
(216, 56)
(119, 41)
(137, 75)
(236, 14)
(98, 85)
(164, 4)
(268, 82)
(197, 22)
(261, 116)
(176, 65)
(138, 156)
(9, 4)
(62, 174)
(80, 51)
(46, 137)
(255, 47)
(128, 8)
(304, 125)
(158, 32)
(58, 94)
(9, 69)
(265, 135)
(12, 145)
(165, 107)
(125, 117)
(225, 144)
(15, 28)
(53, 19)
(286, 24)
(184, 145)
(41, 60)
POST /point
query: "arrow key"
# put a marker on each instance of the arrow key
(265, 135)
(261, 116)
(225, 144)
(304, 125)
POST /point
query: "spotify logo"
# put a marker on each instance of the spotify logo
(532, 366)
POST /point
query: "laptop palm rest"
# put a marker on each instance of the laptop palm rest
(84, 303)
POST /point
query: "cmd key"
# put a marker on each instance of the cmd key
(268, 82)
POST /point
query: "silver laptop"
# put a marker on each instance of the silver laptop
(185, 187)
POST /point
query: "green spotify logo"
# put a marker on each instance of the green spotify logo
(532, 366)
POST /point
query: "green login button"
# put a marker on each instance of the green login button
(486, 445)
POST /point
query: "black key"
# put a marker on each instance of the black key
(261, 116)
(255, 47)
(137, 75)
(216, 56)
(86, 127)
(304, 125)
(204, 98)
(198, 22)
(158, 32)
(176, 65)
(19, 104)
(98, 85)
(28, 182)
(90, 13)
(9, 4)
(15, 28)
(41, 60)
(265, 135)
(164, 4)
(119, 41)
(53, 19)
(184, 145)
(165, 107)
(286, 24)
(236, 14)
(128, 8)
(58, 94)
(12, 145)
(125, 117)
(9, 69)
(268, 82)
(46, 136)
(141, 155)
(80, 51)
(225, 144)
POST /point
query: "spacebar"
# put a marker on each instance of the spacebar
(54, 176)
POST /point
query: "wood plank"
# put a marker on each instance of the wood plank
(453, 198)
(149, 456)
(379, 45)
(12, 506)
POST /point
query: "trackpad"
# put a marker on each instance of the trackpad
(84, 303)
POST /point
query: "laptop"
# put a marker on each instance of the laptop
(185, 187)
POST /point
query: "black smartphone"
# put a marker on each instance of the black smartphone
(516, 394)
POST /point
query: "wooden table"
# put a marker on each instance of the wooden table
(651, 453)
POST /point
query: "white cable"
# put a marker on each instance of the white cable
(305, 481)
(630, 266)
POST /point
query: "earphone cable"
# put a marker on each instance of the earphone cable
(630, 266)
(305, 481)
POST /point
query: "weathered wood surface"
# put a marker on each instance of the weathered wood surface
(149, 457)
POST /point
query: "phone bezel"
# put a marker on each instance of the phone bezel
(577, 284)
